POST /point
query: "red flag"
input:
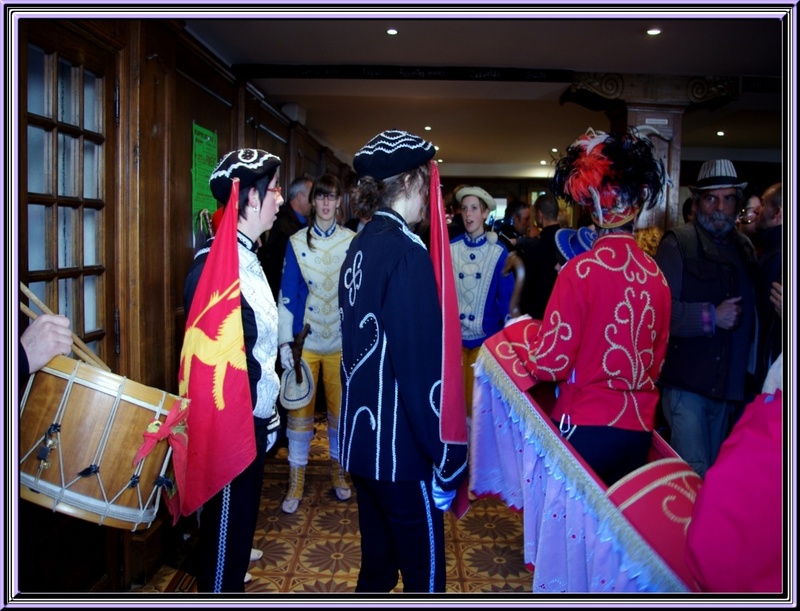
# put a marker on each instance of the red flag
(453, 415)
(213, 373)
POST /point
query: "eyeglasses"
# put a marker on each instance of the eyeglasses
(747, 216)
(276, 190)
(331, 197)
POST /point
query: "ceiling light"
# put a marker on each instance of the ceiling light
(654, 31)
(720, 133)
(440, 161)
(554, 150)
(542, 162)
(391, 32)
(436, 147)
(427, 128)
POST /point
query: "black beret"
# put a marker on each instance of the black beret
(390, 153)
(248, 165)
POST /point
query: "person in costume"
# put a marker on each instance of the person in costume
(484, 291)
(309, 294)
(395, 396)
(570, 243)
(228, 519)
(736, 539)
(605, 328)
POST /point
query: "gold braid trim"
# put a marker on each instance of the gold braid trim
(579, 482)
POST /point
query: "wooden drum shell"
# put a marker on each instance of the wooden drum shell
(102, 418)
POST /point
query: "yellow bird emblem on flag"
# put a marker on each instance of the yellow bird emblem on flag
(219, 352)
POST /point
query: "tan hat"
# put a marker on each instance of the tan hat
(479, 193)
(293, 395)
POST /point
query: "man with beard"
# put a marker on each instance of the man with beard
(711, 270)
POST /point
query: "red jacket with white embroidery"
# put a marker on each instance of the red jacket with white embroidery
(604, 336)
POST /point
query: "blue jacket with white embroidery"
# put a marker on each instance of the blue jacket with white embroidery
(392, 359)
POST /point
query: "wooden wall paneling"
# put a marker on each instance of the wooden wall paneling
(61, 553)
(305, 152)
(667, 143)
(206, 95)
(272, 133)
(249, 113)
(331, 164)
(146, 321)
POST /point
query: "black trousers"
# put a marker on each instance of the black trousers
(401, 531)
(611, 452)
(228, 523)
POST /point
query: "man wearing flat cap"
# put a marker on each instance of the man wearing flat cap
(711, 270)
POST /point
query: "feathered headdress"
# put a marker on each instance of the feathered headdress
(613, 175)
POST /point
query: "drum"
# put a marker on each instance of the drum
(658, 499)
(80, 429)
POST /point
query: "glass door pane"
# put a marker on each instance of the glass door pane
(92, 104)
(68, 102)
(91, 170)
(68, 165)
(37, 237)
(65, 215)
(40, 148)
(36, 85)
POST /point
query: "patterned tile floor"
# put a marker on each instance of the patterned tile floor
(317, 549)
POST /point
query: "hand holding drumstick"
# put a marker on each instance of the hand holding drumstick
(80, 349)
(46, 337)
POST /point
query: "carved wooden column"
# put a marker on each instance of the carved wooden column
(655, 104)
(667, 121)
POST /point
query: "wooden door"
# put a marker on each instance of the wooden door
(66, 197)
(67, 105)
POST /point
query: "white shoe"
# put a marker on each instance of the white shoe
(290, 505)
(343, 493)
(255, 554)
(248, 577)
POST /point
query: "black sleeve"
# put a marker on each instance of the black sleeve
(24, 366)
(192, 279)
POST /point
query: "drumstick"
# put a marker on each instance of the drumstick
(80, 353)
(78, 346)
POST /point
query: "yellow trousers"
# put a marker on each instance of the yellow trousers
(468, 358)
(300, 422)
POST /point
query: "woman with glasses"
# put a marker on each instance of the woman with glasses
(227, 519)
(309, 294)
(746, 220)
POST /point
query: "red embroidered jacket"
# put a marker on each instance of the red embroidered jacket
(604, 336)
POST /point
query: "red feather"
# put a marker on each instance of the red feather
(589, 171)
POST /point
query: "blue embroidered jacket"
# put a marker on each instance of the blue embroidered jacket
(392, 359)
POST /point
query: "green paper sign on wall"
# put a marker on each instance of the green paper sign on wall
(204, 160)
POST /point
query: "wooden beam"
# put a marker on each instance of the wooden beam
(415, 73)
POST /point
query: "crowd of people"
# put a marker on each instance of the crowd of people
(687, 321)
